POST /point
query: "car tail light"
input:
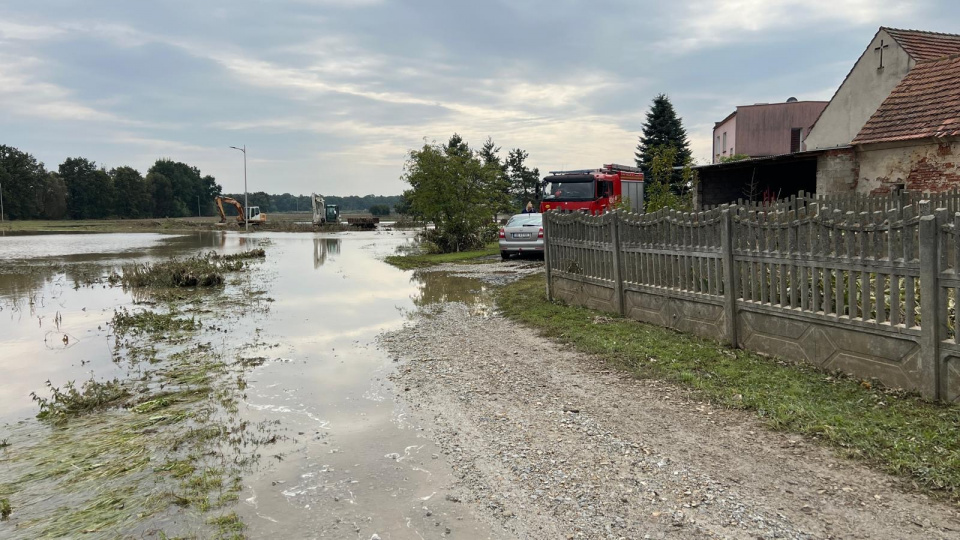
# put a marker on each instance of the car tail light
(540, 234)
(502, 235)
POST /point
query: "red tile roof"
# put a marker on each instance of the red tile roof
(925, 104)
(922, 46)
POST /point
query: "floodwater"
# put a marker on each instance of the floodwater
(351, 460)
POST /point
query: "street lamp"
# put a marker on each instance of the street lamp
(246, 204)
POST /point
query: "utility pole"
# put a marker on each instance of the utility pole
(198, 206)
(1, 202)
(246, 203)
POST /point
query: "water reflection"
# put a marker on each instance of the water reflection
(55, 304)
(323, 247)
(349, 453)
(436, 287)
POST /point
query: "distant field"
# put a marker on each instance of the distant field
(281, 221)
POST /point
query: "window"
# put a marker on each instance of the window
(569, 191)
(605, 188)
(724, 142)
(795, 135)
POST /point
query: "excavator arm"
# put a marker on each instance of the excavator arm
(229, 200)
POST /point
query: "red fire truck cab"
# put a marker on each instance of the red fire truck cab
(592, 190)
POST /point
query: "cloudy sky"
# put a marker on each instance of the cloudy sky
(330, 95)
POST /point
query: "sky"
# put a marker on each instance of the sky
(330, 96)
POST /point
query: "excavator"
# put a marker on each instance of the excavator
(253, 214)
(324, 213)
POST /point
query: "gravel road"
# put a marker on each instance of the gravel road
(547, 443)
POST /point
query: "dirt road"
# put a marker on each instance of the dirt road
(551, 444)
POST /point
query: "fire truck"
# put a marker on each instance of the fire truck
(592, 190)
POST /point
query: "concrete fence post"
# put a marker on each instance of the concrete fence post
(729, 277)
(930, 306)
(548, 255)
(617, 275)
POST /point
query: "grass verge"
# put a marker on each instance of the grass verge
(894, 431)
(412, 261)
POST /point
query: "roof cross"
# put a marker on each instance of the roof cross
(881, 48)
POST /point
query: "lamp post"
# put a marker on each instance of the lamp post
(246, 204)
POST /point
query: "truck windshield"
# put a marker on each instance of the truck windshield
(569, 191)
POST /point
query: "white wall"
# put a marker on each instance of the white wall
(861, 94)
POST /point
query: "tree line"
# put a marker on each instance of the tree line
(79, 189)
(301, 203)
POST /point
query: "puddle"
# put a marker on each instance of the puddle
(437, 287)
(349, 459)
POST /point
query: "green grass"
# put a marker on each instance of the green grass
(411, 261)
(897, 432)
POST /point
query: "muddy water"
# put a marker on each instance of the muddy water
(353, 463)
(351, 460)
(54, 328)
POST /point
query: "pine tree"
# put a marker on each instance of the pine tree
(524, 182)
(663, 128)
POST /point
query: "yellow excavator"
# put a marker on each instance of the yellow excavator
(252, 214)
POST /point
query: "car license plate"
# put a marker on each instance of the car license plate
(522, 235)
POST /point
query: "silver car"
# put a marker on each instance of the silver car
(523, 233)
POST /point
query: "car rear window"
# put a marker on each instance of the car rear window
(520, 220)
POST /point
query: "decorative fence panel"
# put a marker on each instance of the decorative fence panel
(870, 292)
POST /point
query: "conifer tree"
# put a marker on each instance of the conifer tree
(663, 128)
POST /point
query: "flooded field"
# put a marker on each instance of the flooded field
(314, 442)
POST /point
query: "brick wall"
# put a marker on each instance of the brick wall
(929, 166)
(837, 171)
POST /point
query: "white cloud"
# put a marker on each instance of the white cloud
(10, 30)
(707, 22)
(21, 93)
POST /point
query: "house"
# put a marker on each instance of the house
(771, 135)
(913, 140)
(888, 126)
(765, 129)
(894, 123)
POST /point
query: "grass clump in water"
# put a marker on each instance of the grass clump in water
(72, 401)
(258, 253)
(228, 525)
(204, 270)
(197, 271)
(5, 509)
(895, 431)
(151, 322)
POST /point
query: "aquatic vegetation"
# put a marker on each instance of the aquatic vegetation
(5, 509)
(205, 270)
(122, 452)
(198, 271)
(127, 322)
(258, 253)
(72, 401)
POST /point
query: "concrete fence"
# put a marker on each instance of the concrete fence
(872, 294)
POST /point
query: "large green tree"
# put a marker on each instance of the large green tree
(187, 189)
(132, 198)
(89, 189)
(24, 182)
(451, 186)
(663, 128)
